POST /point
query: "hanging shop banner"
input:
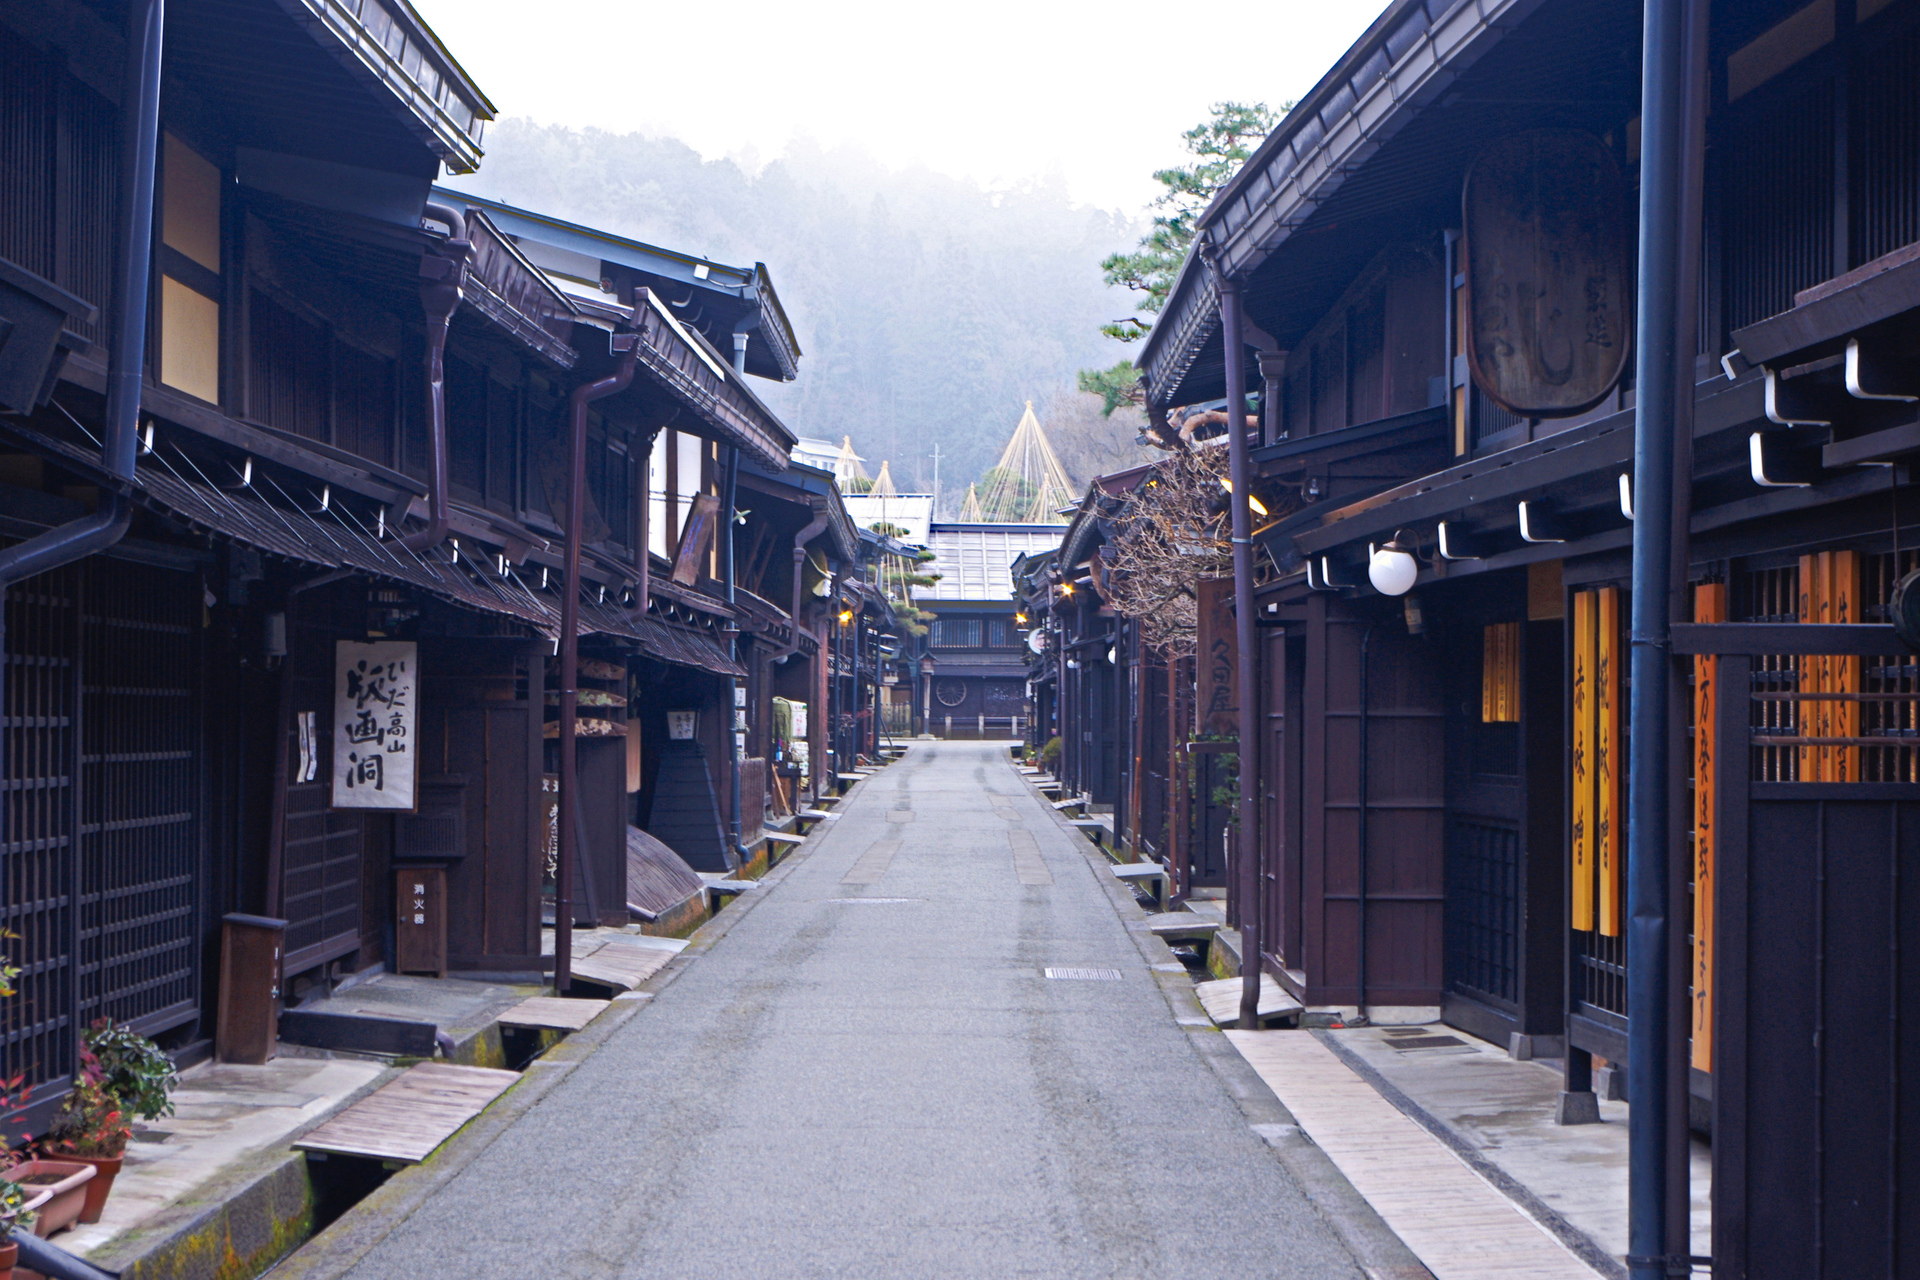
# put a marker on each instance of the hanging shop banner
(375, 697)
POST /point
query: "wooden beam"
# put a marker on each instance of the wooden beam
(1868, 639)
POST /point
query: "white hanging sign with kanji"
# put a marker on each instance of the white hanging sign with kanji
(375, 696)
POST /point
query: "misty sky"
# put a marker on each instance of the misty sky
(1000, 91)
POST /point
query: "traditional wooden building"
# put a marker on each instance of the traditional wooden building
(1430, 264)
(317, 465)
(973, 683)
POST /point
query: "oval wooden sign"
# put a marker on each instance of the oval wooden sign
(1547, 272)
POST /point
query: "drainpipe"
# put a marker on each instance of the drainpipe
(727, 499)
(1366, 647)
(628, 347)
(140, 131)
(1673, 71)
(443, 279)
(1243, 606)
(141, 126)
(800, 540)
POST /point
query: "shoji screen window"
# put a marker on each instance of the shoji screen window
(190, 286)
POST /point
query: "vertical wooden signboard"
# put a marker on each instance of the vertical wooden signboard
(1808, 713)
(1500, 673)
(1829, 592)
(1584, 732)
(1709, 605)
(1610, 814)
(1218, 662)
(1843, 671)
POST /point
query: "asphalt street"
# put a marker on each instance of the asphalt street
(871, 1075)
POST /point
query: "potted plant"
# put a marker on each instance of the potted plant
(17, 1206)
(90, 1129)
(123, 1076)
(57, 1187)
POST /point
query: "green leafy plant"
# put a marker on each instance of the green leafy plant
(1227, 795)
(1219, 144)
(14, 1214)
(1116, 387)
(8, 969)
(91, 1121)
(1050, 753)
(133, 1069)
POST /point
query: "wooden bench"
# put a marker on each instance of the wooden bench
(1094, 829)
(1150, 873)
(624, 964)
(779, 843)
(1174, 927)
(404, 1121)
(553, 1013)
(1182, 926)
(810, 817)
(1221, 1000)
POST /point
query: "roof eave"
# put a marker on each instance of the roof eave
(443, 105)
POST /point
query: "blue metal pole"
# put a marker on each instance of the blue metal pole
(1672, 62)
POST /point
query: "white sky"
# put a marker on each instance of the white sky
(1000, 91)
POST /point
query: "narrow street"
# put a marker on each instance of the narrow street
(870, 1074)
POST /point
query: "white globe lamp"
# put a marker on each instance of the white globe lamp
(1393, 568)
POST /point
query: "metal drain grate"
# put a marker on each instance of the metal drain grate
(1404, 1043)
(1084, 975)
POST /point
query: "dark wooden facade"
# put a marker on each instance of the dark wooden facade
(158, 772)
(1492, 860)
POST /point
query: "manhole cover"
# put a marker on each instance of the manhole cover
(1084, 975)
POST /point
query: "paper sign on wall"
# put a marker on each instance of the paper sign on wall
(374, 702)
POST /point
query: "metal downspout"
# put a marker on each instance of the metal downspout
(1671, 81)
(808, 532)
(1679, 838)
(443, 280)
(628, 346)
(1365, 789)
(1242, 474)
(107, 524)
(732, 489)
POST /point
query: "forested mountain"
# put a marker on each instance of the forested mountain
(928, 309)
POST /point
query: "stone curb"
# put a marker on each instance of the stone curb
(237, 1223)
(1379, 1253)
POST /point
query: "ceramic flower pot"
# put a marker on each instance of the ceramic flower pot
(64, 1184)
(9, 1254)
(105, 1170)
